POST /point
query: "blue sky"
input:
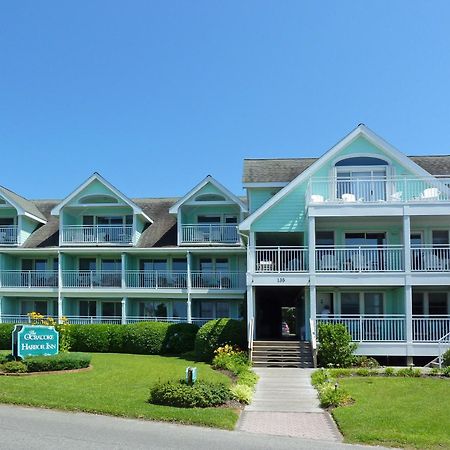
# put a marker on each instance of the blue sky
(155, 95)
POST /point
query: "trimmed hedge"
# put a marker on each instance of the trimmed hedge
(151, 338)
(200, 395)
(62, 361)
(6, 330)
(216, 333)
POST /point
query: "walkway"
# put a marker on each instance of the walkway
(286, 404)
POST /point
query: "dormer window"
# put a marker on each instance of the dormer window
(97, 199)
(210, 198)
(361, 178)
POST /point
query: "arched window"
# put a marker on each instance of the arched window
(210, 198)
(97, 198)
(361, 161)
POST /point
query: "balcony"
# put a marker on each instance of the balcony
(218, 280)
(97, 235)
(138, 279)
(281, 259)
(28, 279)
(8, 235)
(209, 234)
(385, 258)
(378, 190)
(430, 259)
(91, 279)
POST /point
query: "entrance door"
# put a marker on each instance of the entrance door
(288, 321)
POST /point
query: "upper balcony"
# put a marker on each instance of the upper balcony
(378, 190)
(8, 235)
(97, 235)
(209, 233)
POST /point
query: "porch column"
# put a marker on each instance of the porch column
(124, 310)
(251, 253)
(250, 312)
(60, 308)
(408, 314)
(1, 310)
(312, 302)
(123, 270)
(189, 289)
(407, 241)
(60, 285)
(312, 244)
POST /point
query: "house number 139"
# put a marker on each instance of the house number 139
(281, 280)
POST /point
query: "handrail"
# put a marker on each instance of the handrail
(442, 341)
(312, 327)
(250, 338)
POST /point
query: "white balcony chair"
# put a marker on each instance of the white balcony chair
(328, 263)
(348, 198)
(316, 198)
(430, 194)
(396, 196)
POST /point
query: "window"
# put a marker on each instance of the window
(222, 265)
(179, 309)
(155, 308)
(416, 239)
(417, 304)
(148, 265)
(96, 198)
(361, 161)
(88, 264)
(110, 265)
(324, 238)
(111, 309)
(6, 221)
(222, 309)
(40, 307)
(207, 310)
(437, 303)
(210, 198)
(350, 303)
(373, 303)
(179, 265)
(231, 219)
(88, 308)
(206, 265)
(208, 219)
(440, 238)
(365, 238)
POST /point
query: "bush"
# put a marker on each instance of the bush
(6, 330)
(446, 358)
(366, 361)
(200, 395)
(242, 393)
(230, 358)
(150, 338)
(14, 367)
(408, 372)
(62, 361)
(217, 333)
(446, 371)
(389, 371)
(331, 395)
(336, 347)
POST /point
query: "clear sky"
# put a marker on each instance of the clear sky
(155, 95)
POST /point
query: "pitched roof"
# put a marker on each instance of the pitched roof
(26, 205)
(285, 170)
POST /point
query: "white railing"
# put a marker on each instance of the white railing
(430, 258)
(155, 279)
(202, 320)
(369, 328)
(378, 190)
(209, 233)
(136, 319)
(91, 279)
(97, 234)
(363, 258)
(85, 320)
(218, 280)
(28, 279)
(443, 346)
(19, 318)
(8, 234)
(430, 328)
(281, 259)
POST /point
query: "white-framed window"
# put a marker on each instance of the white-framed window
(370, 303)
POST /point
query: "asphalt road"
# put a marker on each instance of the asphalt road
(31, 428)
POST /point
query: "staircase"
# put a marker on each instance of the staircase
(282, 354)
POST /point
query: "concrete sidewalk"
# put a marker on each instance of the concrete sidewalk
(286, 404)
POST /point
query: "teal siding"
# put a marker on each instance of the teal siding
(258, 196)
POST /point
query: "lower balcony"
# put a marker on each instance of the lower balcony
(97, 235)
(28, 279)
(90, 279)
(390, 328)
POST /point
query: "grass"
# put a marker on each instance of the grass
(401, 412)
(117, 385)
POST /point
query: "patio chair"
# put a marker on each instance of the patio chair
(328, 263)
(430, 194)
(316, 198)
(348, 198)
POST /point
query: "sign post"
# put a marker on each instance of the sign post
(34, 340)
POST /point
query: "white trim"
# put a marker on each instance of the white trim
(269, 184)
(96, 176)
(32, 216)
(209, 179)
(19, 210)
(360, 130)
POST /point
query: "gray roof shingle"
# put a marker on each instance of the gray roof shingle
(27, 205)
(285, 170)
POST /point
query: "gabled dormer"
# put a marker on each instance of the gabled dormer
(97, 213)
(209, 214)
(18, 218)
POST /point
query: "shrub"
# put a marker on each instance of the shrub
(95, 338)
(336, 347)
(200, 395)
(217, 333)
(247, 378)
(62, 361)
(366, 361)
(319, 377)
(145, 337)
(6, 330)
(408, 372)
(180, 338)
(331, 395)
(363, 372)
(242, 393)
(230, 358)
(14, 367)
(446, 358)
(389, 371)
(446, 371)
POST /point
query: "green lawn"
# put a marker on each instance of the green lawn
(401, 412)
(118, 385)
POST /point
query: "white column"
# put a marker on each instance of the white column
(19, 229)
(408, 314)
(124, 310)
(179, 230)
(312, 301)
(250, 309)
(123, 269)
(189, 288)
(60, 308)
(134, 230)
(1, 310)
(407, 241)
(60, 285)
(312, 244)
